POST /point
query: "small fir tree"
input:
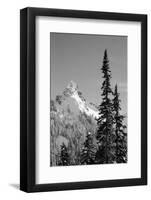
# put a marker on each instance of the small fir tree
(121, 135)
(88, 151)
(64, 156)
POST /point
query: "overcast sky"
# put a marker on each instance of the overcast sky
(79, 57)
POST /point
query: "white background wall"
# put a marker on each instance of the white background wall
(9, 98)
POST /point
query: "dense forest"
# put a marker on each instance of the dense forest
(79, 139)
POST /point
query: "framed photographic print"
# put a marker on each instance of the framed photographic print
(83, 99)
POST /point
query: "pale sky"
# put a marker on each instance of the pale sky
(79, 57)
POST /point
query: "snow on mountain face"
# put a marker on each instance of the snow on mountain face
(73, 92)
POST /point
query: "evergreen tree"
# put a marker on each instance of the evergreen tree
(105, 133)
(121, 135)
(88, 151)
(64, 156)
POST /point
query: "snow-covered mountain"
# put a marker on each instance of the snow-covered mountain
(73, 97)
(73, 92)
(71, 119)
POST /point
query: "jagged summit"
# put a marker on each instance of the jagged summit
(71, 88)
(72, 91)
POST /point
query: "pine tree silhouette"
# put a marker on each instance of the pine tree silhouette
(105, 133)
(121, 135)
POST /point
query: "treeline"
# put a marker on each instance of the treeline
(107, 143)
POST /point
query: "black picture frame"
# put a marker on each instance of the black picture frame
(28, 98)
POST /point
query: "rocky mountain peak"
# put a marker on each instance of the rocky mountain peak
(71, 88)
(71, 92)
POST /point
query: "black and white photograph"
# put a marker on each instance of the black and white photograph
(83, 83)
(75, 92)
(88, 99)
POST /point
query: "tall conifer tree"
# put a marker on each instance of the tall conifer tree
(105, 131)
(121, 135)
